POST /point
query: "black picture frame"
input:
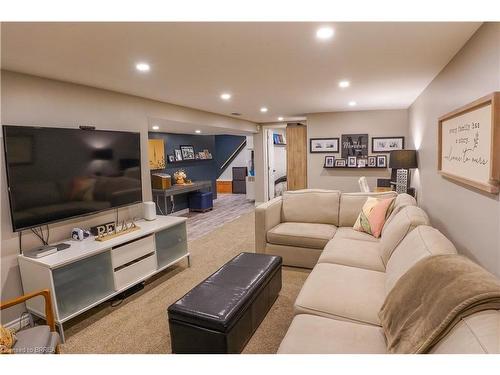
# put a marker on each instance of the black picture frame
(333, 150)
(376, 150)
(171, 158)
(340, 163)
(381, 161)
(329, 161)
(372, 162)
(354, 145)
(187, 152)
(178, 155)
(352, 162)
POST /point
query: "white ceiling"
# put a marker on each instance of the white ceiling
(278, 65)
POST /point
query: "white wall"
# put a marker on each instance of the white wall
(471, 219)
(374, 123)
(29, 100)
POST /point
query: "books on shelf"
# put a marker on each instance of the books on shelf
(278, 139)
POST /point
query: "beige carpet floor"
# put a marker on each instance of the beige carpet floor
(139, 324)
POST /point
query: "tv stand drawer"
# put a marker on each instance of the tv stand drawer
(129, 251)
(126, 275)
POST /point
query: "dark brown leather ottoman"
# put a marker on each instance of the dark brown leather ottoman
(220, 314)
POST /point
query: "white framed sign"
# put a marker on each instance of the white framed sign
(469, 144)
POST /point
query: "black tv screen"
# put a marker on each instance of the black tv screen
(55, 174)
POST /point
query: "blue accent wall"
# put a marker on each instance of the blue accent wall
(196, 170)
(225, 146)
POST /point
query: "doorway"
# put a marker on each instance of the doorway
(276, 150)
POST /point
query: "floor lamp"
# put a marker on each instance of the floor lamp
(403, 161)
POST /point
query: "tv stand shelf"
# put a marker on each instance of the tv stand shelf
(90, 272)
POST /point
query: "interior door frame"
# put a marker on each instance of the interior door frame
(265, 129)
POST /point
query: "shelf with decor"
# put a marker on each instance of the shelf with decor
(353, 168)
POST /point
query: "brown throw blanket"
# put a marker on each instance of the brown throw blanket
(433, 296)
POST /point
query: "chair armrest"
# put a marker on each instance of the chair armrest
(267, 216)
(45, 293)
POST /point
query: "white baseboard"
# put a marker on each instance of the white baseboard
(258, 203)
(18, 323)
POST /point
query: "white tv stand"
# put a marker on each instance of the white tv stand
(90, 272)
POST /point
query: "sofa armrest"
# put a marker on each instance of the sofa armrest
(267, 216)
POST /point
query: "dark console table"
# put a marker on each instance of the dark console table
(178, 189)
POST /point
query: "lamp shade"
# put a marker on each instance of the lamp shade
(403, 159)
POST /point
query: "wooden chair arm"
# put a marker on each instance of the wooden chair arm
(49, 314)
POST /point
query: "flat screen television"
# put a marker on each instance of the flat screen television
(54, 174)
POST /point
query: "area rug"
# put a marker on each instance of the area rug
(139, 323)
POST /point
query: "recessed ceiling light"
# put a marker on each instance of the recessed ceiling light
(324, 33)
(344, 84)
(142, 67)
(155, 127)
(225, 96)
(280, 118)
(197, 131)
(352, 103)
(263, 109)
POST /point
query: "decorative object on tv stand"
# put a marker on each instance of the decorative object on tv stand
(156, 153)
(187, 152)
(387, 144)
(323, 145)
(354, 145)
(79, 234)
(149, 209)
(329, 161)
(469, 144)
(403, 161)
(352, 162)
(382, 161)
(110, 231)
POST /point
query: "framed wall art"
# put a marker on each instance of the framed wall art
(382, 161)
(323, 145)
(352, 161)
(387, 144)
(329, 161)
(187, 152)
(469, 144)
(354, 145)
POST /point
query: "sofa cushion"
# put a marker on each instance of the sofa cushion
(310, 334)
(354, 253)
(352, 203)
(315, 236)
(421, 242)
(346, 232)
(373, 215)
(401, 201)
(343, 293)
(403, 223)
(304, 257)
(475, 334)
(311, 206)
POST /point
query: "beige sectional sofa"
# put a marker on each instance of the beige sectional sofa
(337, 308)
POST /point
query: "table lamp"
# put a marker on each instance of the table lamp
(403, 161)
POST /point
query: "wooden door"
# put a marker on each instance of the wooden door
(296, 156)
